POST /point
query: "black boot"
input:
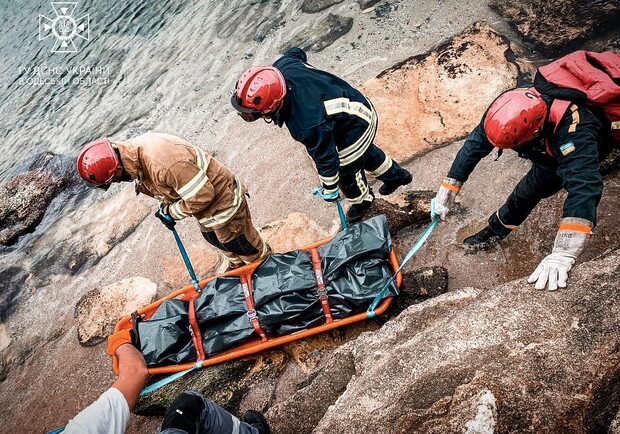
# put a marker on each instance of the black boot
(257, 420)
(483, 240)
(390, 187)
(356, 212)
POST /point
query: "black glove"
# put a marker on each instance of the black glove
(162, 214)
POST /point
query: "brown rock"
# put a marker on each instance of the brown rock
(537, 21)
(294, 232)
(24, 199)
(205, 261)
(433, 110)
(98, 311)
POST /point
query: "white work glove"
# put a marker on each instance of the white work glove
(444, 201)
(570, 241)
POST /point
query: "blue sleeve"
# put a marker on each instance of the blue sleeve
(576, 147)
(475, 148)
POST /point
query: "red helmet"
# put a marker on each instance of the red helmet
(98, 163)
(515, 118)
(259, 91)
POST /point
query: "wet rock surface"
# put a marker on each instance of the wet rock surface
(538, 20)
(11, 281)
(294, 232)
(322, 34)
(64, 250)
(25, 198)
(432, 108)
(405, 210)
(313, 6)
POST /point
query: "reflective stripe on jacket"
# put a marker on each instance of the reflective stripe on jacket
(182, 176)
(332, 119)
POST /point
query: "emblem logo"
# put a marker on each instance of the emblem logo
(63, 27)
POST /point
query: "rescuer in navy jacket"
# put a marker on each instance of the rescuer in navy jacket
(335, 122)
(565, 147)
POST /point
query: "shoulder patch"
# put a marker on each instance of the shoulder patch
(567, 148)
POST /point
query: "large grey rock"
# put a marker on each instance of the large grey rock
(313, 6)
(512, 357)
(11, 282)
(322, 34)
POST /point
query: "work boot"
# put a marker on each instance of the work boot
(390, 187)
(257, 420)
(483, 240)
(356, 212)
(234, 264)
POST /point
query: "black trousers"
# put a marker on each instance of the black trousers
(353, 181)
(539, 183)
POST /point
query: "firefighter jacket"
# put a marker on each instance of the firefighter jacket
(573, 151)
(333, 120)
(187, 179)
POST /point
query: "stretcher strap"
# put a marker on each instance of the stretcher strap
(169, 379)
(370, 313)
(246, 286)
(320, 283)
(195, 331)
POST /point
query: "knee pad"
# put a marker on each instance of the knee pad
(240, 246)
(212, 239)
(184, 412)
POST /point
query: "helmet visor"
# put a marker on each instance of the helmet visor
(247, 114)
(102, 185)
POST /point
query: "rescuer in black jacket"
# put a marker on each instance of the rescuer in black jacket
(335, 122)
(565, 148)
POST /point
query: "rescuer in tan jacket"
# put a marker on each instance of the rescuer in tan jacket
(187, 181)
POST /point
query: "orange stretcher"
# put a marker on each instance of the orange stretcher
(258, 341)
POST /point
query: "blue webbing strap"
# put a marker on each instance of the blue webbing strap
(185, 257)
(57, 430)
(161, 383)
(343, 220)
(318, 191)
(370, 313)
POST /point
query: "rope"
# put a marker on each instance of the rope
(185, 257)
(318, 191)
(161, 383)
(429, 230)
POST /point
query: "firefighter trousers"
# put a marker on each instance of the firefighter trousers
(537, 184)
(238, 239)
(353, 182)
